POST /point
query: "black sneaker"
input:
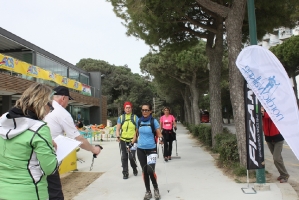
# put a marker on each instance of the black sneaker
(148, 195)
(126, 175)
(135, 172)
(157, 194)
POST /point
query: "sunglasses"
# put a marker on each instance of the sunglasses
(144, 110)
(50, 106)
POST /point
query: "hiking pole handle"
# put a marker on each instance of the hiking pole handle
(95, 155)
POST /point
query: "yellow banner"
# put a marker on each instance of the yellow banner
(12, 64)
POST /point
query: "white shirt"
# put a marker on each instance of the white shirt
(61, 122)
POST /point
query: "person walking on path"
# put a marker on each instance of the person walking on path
(148, 131)
(168, 123)
(125, 131)
(61, 122)
(275, 143)
(27, 154)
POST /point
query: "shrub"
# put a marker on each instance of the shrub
(204, 134)
(239, 170)
(228, 150)
(192, 129)
(208, 136)
(225, 130)
(195, 131)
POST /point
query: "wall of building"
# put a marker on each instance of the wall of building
(104, 110)
(277, 37)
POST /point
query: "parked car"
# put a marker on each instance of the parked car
(205, 117)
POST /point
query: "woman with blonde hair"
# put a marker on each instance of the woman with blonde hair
(27, 154)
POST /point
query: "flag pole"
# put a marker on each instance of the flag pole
(260, 173)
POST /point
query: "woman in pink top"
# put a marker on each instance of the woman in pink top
(167, 123)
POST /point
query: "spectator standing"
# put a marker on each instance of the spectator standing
(61, 122)
(275, 143)
(27, 154)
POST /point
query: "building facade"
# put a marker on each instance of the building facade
(23, 63)
(278, 36)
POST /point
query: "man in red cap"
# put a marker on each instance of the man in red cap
(125, 131)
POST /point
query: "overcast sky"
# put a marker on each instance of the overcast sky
(73, 29)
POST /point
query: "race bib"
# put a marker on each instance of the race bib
(152, 159)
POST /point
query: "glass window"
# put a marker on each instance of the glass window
(51, 65)
(73, 74)
(84, 79)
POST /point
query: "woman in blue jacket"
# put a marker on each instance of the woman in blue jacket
(147, 149)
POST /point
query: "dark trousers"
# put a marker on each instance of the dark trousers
(54, 187)
(125, 155)
(147, 170)
(168, 139)
(276, 149)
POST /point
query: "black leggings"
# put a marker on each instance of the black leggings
(54, 187)
(168, 139)
(148, 171)
(125, 155)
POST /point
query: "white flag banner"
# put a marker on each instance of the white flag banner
(269, 81)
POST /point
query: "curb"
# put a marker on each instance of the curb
(287, 191)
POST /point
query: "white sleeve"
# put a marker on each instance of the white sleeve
(68, 126)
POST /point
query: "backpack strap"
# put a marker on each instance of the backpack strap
(133, 119)
(122, 119)
(153, 126)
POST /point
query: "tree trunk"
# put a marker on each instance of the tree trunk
(195, 99)
(215, 54)
(295, 88)
(234, 22)
(187, 107)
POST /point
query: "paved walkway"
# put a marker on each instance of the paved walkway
(191, 176)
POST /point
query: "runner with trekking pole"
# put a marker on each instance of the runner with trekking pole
(125, 131)
(148, 131)
(168, 123)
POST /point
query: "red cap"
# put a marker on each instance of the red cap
(127, 103)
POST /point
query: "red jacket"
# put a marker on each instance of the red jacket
(271, 132)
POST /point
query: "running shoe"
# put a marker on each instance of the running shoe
(157, 194)
(148, 195)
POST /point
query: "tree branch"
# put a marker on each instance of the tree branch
(207, 27)
(214, 7)
(201, 35)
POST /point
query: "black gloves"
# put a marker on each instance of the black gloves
(175, 128)
(161, 139)
(130, 145)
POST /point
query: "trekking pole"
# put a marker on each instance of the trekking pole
(158, 149)
(119, 148)
(129, 151)
(176, 147)
(162, 146)
(94, 156)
